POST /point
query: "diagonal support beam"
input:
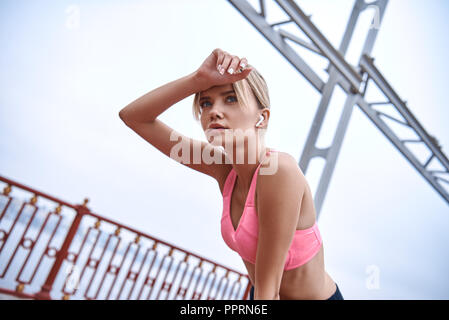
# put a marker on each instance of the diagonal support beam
(350, 79)
(411, 123)
(276, 39)
(320, 41)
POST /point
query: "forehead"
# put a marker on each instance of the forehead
(216, 90)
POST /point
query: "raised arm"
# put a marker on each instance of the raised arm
(141, 114)
(149, 106)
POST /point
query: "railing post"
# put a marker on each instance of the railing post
(248, 288)
(44, 294)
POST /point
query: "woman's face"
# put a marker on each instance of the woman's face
(219, 105)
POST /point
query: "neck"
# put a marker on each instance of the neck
(245, 162)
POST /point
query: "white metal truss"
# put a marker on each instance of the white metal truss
(353, 80)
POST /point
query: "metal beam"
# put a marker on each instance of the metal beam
(410, 122)
(259, 22)
(335, 57)
(351, 79)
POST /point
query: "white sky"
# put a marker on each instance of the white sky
(63, 84)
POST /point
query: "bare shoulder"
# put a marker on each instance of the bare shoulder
(282, 190)
(280, 172)
(282, 162)
(287, 159)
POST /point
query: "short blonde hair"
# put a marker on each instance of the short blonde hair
(257, 84)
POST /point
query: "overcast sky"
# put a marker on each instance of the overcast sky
(69, 67)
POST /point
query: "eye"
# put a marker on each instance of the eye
(202, 104)
(233, 97)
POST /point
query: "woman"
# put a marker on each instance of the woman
(268, 211)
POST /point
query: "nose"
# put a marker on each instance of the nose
(215, 112)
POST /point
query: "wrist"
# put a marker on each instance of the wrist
(198, 81)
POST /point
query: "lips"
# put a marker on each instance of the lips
(216, 126)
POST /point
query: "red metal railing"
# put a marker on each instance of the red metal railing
(63, 253)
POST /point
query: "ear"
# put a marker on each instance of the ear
(266, 114)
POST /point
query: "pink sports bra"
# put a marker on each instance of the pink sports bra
(306, 243)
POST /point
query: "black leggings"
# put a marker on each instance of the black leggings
(336, 296)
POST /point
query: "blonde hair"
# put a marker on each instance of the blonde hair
(257, 84)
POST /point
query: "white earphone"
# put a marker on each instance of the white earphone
(261, 118)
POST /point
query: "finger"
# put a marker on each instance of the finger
(220, 56)
(225, 65)
(233, 65)
(244, 73)
(243, 63)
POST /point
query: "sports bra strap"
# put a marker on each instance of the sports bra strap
(230, 180)
(252, 188)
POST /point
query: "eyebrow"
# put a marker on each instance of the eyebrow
(221, 94)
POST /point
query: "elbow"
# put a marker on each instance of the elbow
(124, 115)
(121, 114)
(125, 118)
